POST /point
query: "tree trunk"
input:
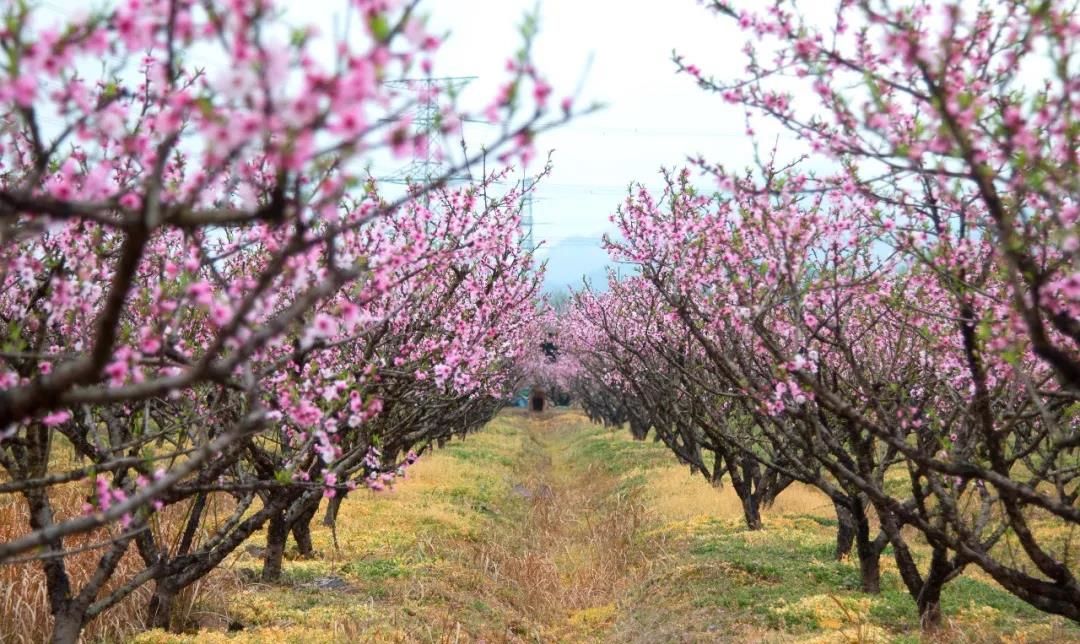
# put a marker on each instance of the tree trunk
(67, 622)
(332, 509)
(301, 530)
(276, 534)
(751, 505)
(925, 590)
(869, 569)
(67, 626)
(930, 607)
(845, 530)
(868, 551)
(747, 486)
(929, 598)
(160, 609)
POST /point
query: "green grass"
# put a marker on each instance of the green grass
(376, 570)
(785, 581)
(434, 559)
(471, 452)
(597, 447)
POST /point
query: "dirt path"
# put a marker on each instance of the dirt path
(576, 545)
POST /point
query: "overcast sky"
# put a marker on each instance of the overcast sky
(622, 52)
(619, 52)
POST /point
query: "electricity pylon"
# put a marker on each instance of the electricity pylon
(426, 113)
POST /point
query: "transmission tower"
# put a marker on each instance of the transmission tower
(528, 242)
(426, 115)
(426, 168)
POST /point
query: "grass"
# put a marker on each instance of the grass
(515, 534)
(714, 580)
(24, 609)
(554, 530)
(548, 529)
(405, 560)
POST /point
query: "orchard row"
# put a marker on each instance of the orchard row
(889, 311)
(213, 317)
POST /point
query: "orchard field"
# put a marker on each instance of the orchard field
(272, 310)
(547, 528)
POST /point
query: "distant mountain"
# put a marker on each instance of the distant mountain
(573, 258)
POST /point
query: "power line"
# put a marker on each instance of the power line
(635, 131)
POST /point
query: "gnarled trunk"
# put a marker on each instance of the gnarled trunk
(868, 551)
(751, 505)
(845, 530)
(639, 430)
(750, 486)
(276, 533)
(929, 604)
(301, 531)
(929, 597)
(67, 626)
(330, 518)
(160, 608)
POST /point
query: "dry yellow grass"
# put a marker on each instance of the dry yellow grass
(576, 550)
(408, 554)
(677, 495)
(546, 529)
(24, 608)
(503, 538)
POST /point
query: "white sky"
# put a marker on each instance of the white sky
(652, 117)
